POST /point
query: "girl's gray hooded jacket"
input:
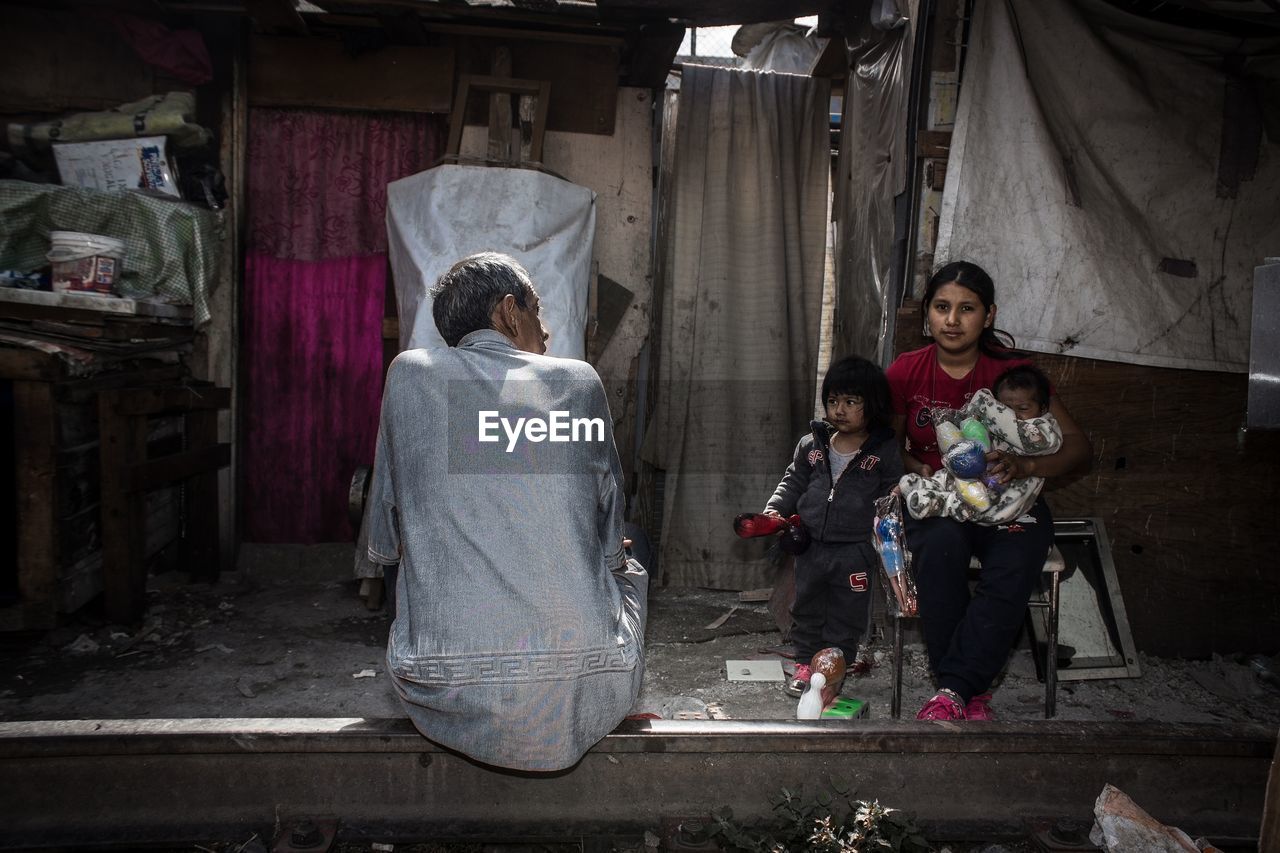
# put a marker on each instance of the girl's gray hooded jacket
(840, 511)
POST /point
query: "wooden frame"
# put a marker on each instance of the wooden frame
(127, 474)
(539, 89)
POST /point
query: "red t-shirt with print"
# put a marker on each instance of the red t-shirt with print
(918, 385)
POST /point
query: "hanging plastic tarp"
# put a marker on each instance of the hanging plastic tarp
(872, 174)
(1121, 199)
(437, 217)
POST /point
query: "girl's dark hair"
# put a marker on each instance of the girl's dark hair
(858, 377)
(1024, 377)
(993, 342)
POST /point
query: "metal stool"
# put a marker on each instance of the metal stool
(1054, 565)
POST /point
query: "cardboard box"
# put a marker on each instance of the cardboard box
(117, 164)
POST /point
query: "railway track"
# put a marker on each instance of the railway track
(130, 782)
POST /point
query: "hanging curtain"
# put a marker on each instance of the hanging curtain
(739, 330)
(315, 278)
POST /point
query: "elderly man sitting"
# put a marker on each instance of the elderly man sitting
(518, 635)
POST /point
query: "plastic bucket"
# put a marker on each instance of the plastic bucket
(84, 262)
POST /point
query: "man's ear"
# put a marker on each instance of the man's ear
(504, 314)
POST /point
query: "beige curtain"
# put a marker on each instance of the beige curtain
(738, 334)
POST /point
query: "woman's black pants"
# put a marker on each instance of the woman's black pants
(969, 635)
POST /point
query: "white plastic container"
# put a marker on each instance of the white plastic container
(85, 263)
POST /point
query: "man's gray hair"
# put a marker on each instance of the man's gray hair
(464, 298)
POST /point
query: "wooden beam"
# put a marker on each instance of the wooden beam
(143, 476)
(317, 72)
(28, 364)
(200, 510)
(154, 401)
(35, 480)
(500, 147)
(123, 443)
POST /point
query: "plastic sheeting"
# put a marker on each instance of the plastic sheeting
(872, 173)
(437, 217)
(1086, 175)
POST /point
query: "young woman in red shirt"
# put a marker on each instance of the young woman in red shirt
(969, 635)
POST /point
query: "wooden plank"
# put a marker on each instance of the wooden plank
(123, 445)
(92, 306)
(154, 401)
(934, 143)
(35, 479)
(1188, 498)
(500, 108)
(143, 476)
(275, 16)
(55, 61)
(201, 511)
(317, 72)
(81, 390)
(28, 364)
(649, 56)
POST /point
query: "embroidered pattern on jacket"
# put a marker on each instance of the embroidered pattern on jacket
(506, 668)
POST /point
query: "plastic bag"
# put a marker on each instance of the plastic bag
(895, 560)
(963, 442)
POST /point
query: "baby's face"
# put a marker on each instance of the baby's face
(1022, 401)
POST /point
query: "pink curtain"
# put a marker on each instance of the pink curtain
(315, 276)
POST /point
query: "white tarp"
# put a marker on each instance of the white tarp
(439, 216)
(1084, 176)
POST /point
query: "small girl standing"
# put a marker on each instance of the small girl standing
(839, 469)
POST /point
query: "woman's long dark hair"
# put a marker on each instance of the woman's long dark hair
(994, 342)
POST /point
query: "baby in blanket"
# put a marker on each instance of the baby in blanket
(1017, 420)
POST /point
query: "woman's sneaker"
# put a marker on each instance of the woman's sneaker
(979, 708)
(800, 681)
(941, 707)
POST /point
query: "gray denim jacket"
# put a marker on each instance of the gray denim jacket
(518, 637)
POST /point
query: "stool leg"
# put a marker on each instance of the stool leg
(896, 707)
(1051, 649)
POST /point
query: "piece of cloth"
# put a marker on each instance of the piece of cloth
(311, 396)
(742, 279)
(314, 294)
(172, 249)
(918, 385)
(1129, 225)
(969, 635)
(833, 598)
(318, 179)
(837, 510)
(178, 53)
(519, 622)
(937, 494)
